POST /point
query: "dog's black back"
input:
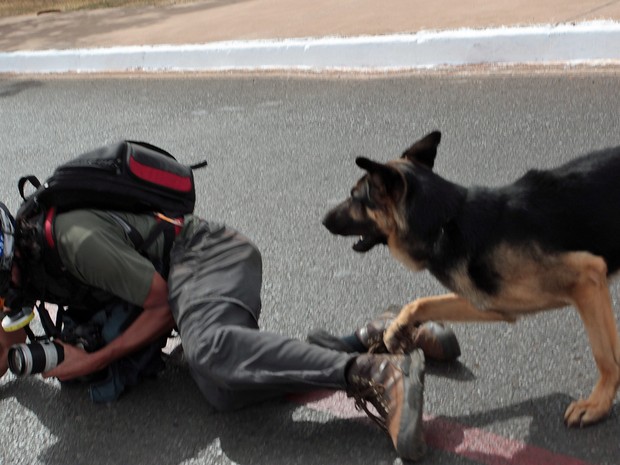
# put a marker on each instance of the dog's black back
(573, 207)
(570, 208)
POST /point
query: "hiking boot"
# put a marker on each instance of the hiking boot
(371, 334)
(394, 386)
(438, 342)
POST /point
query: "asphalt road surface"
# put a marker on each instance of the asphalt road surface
(281, 151)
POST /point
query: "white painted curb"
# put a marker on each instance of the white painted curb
(588, 42)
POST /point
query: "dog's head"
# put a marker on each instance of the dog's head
(375, 210)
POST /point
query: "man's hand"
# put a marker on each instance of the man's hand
(77, 363)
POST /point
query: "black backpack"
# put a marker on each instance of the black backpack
(126, 176)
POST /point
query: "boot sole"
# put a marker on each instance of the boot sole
(410, 443)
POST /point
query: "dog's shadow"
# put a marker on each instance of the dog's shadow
(548, 439)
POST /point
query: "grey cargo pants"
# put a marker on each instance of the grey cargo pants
(214, 287)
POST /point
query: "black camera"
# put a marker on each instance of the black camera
(44, 354)
(36, 357)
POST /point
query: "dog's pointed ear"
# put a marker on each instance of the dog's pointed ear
(386, 179)
(424, 151)
(368, 165)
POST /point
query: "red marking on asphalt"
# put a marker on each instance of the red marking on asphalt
(473, 443)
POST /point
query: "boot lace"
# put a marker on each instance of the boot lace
(374, 393)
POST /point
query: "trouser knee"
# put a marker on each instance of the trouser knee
(216, 369)
(213, 358)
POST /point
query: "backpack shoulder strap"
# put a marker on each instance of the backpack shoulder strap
(134, 235)
(21, 184)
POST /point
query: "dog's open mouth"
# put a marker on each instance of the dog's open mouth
(367, 242)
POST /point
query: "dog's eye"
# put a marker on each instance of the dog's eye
(362, 195)
(359, 195)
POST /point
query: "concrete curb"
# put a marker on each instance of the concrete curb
(589, 42)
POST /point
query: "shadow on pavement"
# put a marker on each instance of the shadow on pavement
(168, 421)
(12, 88)
(548, 438)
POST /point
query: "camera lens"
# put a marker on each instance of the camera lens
(38, 357)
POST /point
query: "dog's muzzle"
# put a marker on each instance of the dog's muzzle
(338, 221)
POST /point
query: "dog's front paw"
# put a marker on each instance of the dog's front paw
(585, 412)
(397, 338)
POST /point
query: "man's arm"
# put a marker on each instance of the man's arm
(154, 321)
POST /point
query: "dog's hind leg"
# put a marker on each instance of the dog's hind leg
(590, 294)
(448, 307)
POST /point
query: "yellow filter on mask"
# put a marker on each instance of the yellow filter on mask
(18, 320)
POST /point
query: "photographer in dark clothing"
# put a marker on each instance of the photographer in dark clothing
(212, 296)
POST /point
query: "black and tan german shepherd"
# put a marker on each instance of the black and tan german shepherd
(550, 239)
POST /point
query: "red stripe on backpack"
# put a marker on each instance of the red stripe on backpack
(49, 227)
(160, 177)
